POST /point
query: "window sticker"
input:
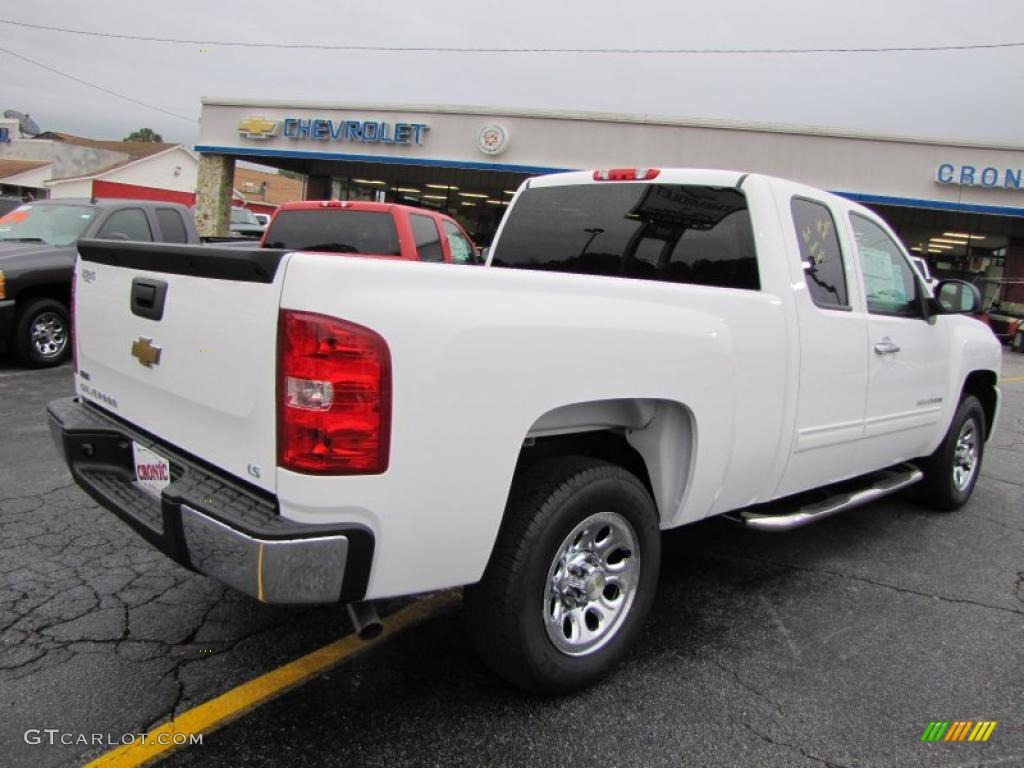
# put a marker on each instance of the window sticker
(883, 280)
(820, 254)
(816, 238)
(460, 250)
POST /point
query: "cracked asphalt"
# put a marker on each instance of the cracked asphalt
(833, 645)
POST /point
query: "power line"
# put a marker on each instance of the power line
(460, 49)
(97, 87)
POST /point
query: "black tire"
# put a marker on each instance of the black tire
(54, 346)
(940, 488)
(506, 612)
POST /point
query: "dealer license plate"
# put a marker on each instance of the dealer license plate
(152, 471)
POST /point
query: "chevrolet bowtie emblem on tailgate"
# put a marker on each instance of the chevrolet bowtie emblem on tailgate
(147, 354)
(257, 127)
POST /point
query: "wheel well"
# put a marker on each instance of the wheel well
(982, 384)
(57, 291)
(607, 445)
(651, 438)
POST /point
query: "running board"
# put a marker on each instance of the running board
(879, 484)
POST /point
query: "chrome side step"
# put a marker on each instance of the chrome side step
(880, 484)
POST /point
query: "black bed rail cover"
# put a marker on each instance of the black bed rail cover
(249, 265)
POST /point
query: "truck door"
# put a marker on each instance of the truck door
(833, 371)
(908, 355)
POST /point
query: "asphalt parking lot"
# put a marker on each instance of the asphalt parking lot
(833, 645)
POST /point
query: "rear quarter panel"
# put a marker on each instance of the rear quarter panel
(480, 354)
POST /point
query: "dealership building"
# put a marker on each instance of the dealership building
(959, 204)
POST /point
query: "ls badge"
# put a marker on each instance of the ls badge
(147, 354)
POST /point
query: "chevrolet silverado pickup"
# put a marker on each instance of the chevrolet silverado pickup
(37, 256)
(383, 230)
(646, 348)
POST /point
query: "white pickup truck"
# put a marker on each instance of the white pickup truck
(646, 349)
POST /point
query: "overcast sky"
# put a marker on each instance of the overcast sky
(974, 95)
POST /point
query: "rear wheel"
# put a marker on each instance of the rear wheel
(572, 576)
(42, 333)
(952, 471)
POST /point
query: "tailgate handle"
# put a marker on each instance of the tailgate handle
(148, 298)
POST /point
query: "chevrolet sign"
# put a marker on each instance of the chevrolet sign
(365, 131)
(257, 127)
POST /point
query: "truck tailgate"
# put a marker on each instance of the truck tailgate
(180, 341)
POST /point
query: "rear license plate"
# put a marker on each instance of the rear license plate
(152, 471)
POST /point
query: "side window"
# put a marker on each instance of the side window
(172, 228)
(428, 240)
(131, 223)
(820, 253)
(889, 281)
(462, 251)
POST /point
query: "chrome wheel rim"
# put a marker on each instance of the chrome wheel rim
(591, 584)
(965, 457)
(49, 334)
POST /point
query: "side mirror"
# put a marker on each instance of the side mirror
(484, 253)
(957, 297)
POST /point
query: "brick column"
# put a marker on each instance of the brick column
(213, 194)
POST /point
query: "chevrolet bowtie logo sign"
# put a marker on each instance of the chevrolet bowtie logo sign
(147, 354)
(257, 127)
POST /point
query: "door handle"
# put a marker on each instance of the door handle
(147, 298)
(887, 347)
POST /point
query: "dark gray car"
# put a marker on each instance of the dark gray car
(37, 258)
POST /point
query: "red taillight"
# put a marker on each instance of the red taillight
(627, 174)
(334, 396)
(71, 323)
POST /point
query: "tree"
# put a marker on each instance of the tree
(144, 134)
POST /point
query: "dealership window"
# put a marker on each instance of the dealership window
(130, 222)
(820, 254)
(889, 282)
(428, 240)
(674, 233)
(172, 226)
(476, 200)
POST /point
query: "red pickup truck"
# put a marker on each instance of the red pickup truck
(384, 230)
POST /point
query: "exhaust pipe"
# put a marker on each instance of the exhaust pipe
(365, 619)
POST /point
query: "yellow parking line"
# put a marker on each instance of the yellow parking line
(236, 702)
(1006, 379)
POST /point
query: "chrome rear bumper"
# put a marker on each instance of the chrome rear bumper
(209, 521)
(305, 570)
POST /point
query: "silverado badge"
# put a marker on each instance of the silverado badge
(147, 354)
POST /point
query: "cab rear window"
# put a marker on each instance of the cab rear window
(334, 231)
(673, 233)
